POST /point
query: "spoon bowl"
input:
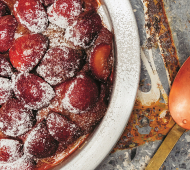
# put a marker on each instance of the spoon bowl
(179, 98)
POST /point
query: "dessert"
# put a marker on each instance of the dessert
(11, 150)
(8, 25)
(56, 76)
(62, 129)
(99, 61)
(5, 90)
(85, 29)
(5, 67)
(31, 14)
(33, 92)
(63, 13)
(60, 64)
(27, 51)
(40, 143)
(15, 118)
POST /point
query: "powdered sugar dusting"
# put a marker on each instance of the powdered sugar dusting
(46, 96)
(39, 87)
(57, 19)
(55, 35)
(43, 71)
(85, 30)
(66, 100)
(74, 35)
(76, 9)
(20, 124)
(5, 89)
(58, 123)
(3, 34)
(62, 13)
(60, 128)
(5, 67)
(12, 150)
(25, 57)
(27, 52)
(8, 27)
(32, 136)
(35, 20)
(15, 119)
(69, 35)
(23, 163)
(40, 143)
(59, 64)
(17, 35)
(42, 114)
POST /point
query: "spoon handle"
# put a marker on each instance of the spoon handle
(165, 148)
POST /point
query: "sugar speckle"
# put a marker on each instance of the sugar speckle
(40, 90)
(5, 89)
(12, 149)
(66, 100)
(63, 13)
(36, 21)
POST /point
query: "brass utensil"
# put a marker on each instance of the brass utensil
(179, 106)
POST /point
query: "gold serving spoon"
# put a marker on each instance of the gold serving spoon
(179, 106)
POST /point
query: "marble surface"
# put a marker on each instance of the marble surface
(178, 159)
(178, 15)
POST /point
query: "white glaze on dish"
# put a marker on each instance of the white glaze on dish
(127, 54)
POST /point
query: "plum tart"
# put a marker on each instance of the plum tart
(56, 77)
